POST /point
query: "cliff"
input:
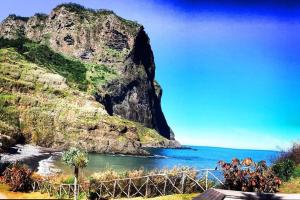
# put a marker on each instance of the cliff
(80, 77)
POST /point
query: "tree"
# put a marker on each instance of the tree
(77, 159)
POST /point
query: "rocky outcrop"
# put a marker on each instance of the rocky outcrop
(39, 107)
(79, 77)
(103, 38)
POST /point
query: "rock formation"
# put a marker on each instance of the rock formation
(71, 59)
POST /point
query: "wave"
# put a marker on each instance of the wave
(46, 167)
(136, 156)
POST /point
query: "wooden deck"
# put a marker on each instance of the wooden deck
(217, 194)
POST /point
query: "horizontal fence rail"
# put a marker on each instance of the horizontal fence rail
(144, 186)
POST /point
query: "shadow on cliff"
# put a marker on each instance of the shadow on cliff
(143, 55)
(73, 70)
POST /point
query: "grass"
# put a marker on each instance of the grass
(293, 185)
(146, 135)
(8, 111)
(167, 197)
(4, 190)
(73, 70)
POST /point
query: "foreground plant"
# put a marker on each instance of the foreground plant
(134, 182)
(287, 162)
(18, 177)
(284, 169)
(77, 159)
(249, 176)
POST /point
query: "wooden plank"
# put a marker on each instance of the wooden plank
(210, 194)
(231, 194)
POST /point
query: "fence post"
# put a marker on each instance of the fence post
(128, 195)
(206, 180)
(147, 181)
(114, 191)
(165, 185)
(183, 182)
(59, 191)
(69, 191)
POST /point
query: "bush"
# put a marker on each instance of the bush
(249, 176)
(294, 153)
(18, 177)
(3, 166)
(138, 178)
(296, 172)
(285, 165)
(284, 169)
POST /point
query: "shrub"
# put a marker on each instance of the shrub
(296, 172)
(249, 176)
(294, 153)
(284, 169)
(3, 166)
(69, 180)
(139, 177)
(285, 165)
(77, 159)
(18, 177)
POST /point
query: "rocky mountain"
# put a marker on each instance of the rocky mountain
(80, 77)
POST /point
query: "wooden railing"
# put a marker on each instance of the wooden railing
(144, 186)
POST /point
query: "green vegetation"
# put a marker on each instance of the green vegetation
(138, 178)
(291, 186)
(8, 111)
(17, 17)
(77, 159)
(41, 16)
(74, 7)
(148, 135)
(73, 70)
(145, 135)
(38, 103)
(46, 96)
(286, 164)
(296, 172)
(284, 169)
(131, 24)
(90, 14)
(79, 75)
(98, 75)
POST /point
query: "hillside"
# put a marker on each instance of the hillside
(80, 77)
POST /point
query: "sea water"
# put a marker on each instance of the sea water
(198, 157)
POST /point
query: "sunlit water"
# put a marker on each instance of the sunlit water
(197, 157)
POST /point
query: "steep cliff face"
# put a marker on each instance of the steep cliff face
(79, 55)
(104, 38)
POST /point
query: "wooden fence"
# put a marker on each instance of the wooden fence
(145, 186)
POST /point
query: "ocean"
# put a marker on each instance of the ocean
(198, 157)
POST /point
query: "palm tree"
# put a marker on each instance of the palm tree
(77, 159)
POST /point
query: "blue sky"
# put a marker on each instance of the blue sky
(230, 71)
